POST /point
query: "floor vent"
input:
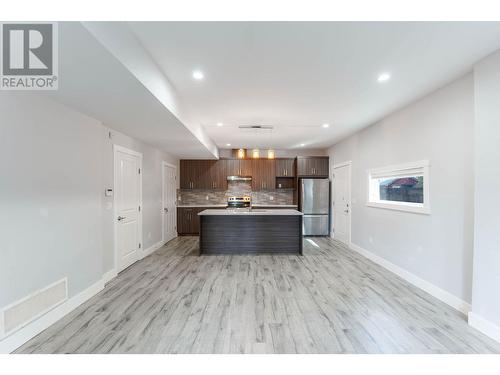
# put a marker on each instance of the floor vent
(30, 308)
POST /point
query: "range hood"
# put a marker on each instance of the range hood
(239, 178)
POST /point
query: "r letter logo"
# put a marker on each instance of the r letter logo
(29, 56)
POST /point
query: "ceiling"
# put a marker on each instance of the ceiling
(297, 76)
(96, 83)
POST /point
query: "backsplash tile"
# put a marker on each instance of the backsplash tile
(235, 188)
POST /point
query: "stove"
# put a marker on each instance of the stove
(244, 202)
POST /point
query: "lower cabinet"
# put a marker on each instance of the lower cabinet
(188, 221)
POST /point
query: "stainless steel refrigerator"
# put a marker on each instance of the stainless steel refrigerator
(315, 205)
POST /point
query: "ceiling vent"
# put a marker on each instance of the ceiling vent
(256, 127)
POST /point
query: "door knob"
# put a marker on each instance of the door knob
(165, 209)
(346, 211)
(120, 218)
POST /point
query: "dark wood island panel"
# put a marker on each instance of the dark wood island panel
(252, 234)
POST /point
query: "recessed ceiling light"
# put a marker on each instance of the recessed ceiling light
(326, 125)
(383, 77)
(219, 124)
(228, 144)
(302, 144)
(198, 75)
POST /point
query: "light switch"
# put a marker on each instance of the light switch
(108, 192)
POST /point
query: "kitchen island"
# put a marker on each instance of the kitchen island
(255, 231)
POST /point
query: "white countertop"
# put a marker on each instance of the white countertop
(201, 205)
(254, 212)
(224, 205)
(276, 205)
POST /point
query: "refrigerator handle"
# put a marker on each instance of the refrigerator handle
(301, 194)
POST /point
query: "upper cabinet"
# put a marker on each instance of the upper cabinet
(203, 174)
(236, 167)
(266, 173)
(285, 167)
(312, 166)
(263, 174)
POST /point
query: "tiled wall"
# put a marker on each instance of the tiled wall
(235, 188)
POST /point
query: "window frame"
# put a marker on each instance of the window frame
(399, 170)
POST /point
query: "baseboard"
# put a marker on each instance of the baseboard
(108, 276)
(485, 326)
(426, 286)
(14, 341)
(150, 250)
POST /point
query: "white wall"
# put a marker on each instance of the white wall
(486, 282)
(54, 218)
(436, 247)
(50, 196)
(151, 190)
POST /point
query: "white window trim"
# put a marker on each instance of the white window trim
(420, 208)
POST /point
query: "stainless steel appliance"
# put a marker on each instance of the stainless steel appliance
(239, 202)
(239, 178)
(315, 205)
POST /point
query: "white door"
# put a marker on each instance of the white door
(342, 203)
(128, 196)
(169, 207)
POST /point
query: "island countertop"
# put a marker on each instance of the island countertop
(253, 212)
(256, 231)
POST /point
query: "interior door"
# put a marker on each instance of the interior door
(342, 203)
(169, 207)
(128, 196)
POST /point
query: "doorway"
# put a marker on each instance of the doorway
(169, 201)
(128, 206)
(341, 226)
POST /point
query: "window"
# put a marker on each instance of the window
(402, 187)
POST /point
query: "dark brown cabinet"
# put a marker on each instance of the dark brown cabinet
(232, 167)
(202, 174)
(237, 167)
(246, 167)
(186, 174)
(188, 221)
(193, 174)
(215, 178)
(312, 166)
(185, 220)
(285, 167)
(263, 174)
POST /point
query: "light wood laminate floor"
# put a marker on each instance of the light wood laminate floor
(331, 300)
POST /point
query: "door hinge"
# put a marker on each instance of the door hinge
(139, 170)
(139, 208)
(139, 246)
